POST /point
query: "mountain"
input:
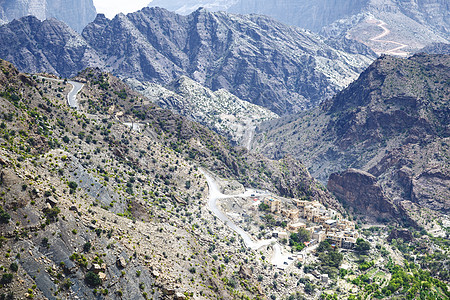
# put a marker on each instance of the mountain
(76, 14)
(220, 111)
(313, 15)
(105, 207)
(46, 46)
(396, 27)
(257, 59)
(393, 123)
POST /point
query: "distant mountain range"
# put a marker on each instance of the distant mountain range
(76, 14)
(407, 24)
(283, 68)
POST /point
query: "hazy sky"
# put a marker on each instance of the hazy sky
(112, 7)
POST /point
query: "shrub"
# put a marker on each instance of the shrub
(6, 278)
(4, 216)
(14, 267)
(92, 279)
(362, 245)
(51, 213)
(87, 247)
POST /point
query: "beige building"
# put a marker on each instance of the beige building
(291, 213)
(294, 227)
(274, 204)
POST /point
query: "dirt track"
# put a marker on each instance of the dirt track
(395, 51)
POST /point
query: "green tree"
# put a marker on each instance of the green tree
(362, 245)
(92, 279)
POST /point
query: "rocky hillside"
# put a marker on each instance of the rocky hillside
(257, 59)
(436, 48)
(393, 122)
(101, 202)
(396, 27)
(76, 14)
(220, 111)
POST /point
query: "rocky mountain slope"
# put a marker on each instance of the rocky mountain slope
(220, 111)
(257, 59)
(436, 48)
(393, 122)
(93, 207)
(76, 14)
(405, 25)
(45, 46)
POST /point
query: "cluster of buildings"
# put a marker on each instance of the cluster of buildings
(323, 223)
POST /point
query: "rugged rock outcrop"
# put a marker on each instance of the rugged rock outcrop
(360, 192)
(257, 59)
(75, 13)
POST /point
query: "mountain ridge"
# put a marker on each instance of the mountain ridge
(257, 59)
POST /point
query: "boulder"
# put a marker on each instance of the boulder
(121, 262)
(179, 296)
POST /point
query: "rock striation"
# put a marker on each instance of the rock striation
(45, 46)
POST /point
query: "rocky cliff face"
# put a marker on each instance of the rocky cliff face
(255, 58)
(359, 191)
(76, 14)
(392, 122)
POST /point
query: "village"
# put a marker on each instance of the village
(322, 223)
(289, 216)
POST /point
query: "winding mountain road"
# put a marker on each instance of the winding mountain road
(72, 96)
(395, 51)
(278, 258)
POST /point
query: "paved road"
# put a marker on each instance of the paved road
(72, 96)
(278, 258)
